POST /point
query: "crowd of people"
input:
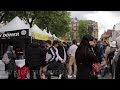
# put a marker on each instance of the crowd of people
(89, 59)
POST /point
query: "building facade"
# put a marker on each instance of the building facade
(74, 26)
(116, 31)
(73, 33)
(93, 28)
(107, 36)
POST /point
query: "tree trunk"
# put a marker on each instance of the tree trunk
(31, 23)
(1, 19)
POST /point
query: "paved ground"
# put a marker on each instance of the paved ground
(4, 75)
(106, 77)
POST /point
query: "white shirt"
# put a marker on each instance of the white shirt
(72, 50)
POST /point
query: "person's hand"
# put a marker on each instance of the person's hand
(111, 62)
(62, 61)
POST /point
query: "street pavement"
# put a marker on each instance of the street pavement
(4, 75)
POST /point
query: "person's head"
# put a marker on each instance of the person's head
(95, 42)
(87, 40)
(48, 43)
(113, 44)
(118, 42)
(64, 43)
(60, 43)
(42, 44)
(34, 45)
(10, 48)
(74, 42)
(55, 43)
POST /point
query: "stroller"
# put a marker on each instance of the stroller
(55, 70)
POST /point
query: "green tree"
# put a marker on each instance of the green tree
(83, 28)
(28, 16)
(55, 21)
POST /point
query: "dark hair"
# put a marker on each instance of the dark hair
(85, 40)
(74, 42)
(64, 43)
(96, 39)
(48, 41)
(55, 42)
(84, 46)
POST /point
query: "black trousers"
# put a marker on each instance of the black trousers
(36, 70)
(6, 67)
(11, 75)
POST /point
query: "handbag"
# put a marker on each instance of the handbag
(96, 67)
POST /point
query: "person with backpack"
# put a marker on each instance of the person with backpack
(9, 59)
(33, 59)
(54, 60)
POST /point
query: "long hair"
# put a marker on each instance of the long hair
(84, 46)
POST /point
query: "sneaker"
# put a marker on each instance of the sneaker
(99, 75)
(69, 76)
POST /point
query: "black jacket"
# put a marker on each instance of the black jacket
(44, 51)
(61, 51)
(33, 56)
(11, 66)
(84, 61)
(98, 53)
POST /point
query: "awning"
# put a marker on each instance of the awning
(39, 36)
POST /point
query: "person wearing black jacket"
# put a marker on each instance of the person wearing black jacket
(85, 56)
(97, 51)
(33, 59)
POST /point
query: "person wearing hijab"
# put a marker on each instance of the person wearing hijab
(116, 61)
(11, 66)
(85, 56)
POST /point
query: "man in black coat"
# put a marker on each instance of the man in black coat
(97, 51)
(33, 59)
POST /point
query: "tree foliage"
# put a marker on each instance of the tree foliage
(83, 28)
(55, 21)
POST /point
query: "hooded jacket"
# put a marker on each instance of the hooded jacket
(33, 56)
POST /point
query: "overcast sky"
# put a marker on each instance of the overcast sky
(105, 19)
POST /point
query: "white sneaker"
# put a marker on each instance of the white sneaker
(69, 76)
(99, 76)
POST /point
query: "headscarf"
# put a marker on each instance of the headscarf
(118, 42)
(117, 52)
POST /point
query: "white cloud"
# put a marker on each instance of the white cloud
(105, 19)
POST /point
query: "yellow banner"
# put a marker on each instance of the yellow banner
(39, 36)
